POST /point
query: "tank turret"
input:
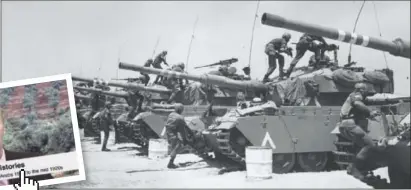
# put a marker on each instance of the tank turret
(205, 78)
(121, 85)
(398, 47)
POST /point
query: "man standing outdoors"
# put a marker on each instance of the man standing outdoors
(105, 121)
(273, 50)
(175, 124)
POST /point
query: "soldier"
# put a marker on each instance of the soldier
(222, 71)
(274, 49)
(307, 42)
(105, 121)
(176, 84)
(174, 127)
(146, 77)
(160, 58)
(354, 126)
(134, 99)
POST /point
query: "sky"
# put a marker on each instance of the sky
(88, 38)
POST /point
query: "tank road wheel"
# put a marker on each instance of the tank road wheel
(313, 161)
(283, 163)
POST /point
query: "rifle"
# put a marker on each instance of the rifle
(226, 62)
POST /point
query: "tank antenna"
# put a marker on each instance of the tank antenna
(191, 42)
(379, 30)
(252, 35)
(355, 26)
(155, 47)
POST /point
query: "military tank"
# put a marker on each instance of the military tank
(125, 129)
(291, 131)
(396, 155)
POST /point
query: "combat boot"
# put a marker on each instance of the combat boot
(355, 172)
(171, 164)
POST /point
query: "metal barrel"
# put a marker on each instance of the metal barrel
(204, 78)
(115, 94)
(398, 47)
(81, 97)
(121, 85)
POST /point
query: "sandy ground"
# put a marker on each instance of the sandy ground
(124, 167)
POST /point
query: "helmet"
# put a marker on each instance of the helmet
(286, 36)
(179, 108)
(181, 65)
(223, 68)
(232, 70)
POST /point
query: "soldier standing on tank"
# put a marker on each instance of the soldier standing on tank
(146, 78)
(354, 126)
(160, 58)
(105, 121)
(307, 42)
(274, 49)
(174, 126)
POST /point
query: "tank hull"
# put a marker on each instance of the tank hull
(295, 133)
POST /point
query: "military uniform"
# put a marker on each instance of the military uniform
(305, 43)
(354, 126)
(146, 77)
(160, 58)
(175, 84)
(105, 121)
(273, 50)
(174, 126)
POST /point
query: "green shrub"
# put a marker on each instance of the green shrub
(49, 136)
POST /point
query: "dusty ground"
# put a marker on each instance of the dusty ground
(123, 167)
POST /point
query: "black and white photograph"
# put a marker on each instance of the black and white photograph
(225, 94)
(37, 132)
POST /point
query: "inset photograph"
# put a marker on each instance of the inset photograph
(39, 131)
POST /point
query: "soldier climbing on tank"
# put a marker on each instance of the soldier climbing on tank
(105, 121)
(135, 100)
(146, 77)
(274, 49)
(176, 84)
(354, 126)
(160, 58)
(307, 42)
(174, 126)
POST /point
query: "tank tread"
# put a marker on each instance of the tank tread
(223, 141)
(345, 154)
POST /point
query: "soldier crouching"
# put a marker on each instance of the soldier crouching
(174, 126)
(354, 127)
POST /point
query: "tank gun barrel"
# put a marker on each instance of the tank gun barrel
(205, 78)
(81, 97)
(95, 90)
(398, 47)
(121, 85)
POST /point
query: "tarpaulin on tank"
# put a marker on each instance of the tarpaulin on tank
(346, 78)
(292, 91)
(376, 77)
